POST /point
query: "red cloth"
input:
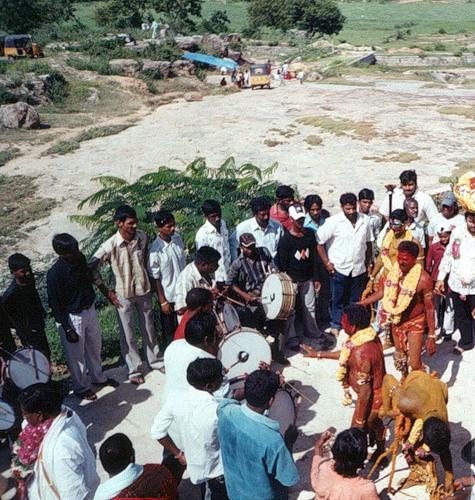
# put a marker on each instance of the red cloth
(285, 220)
(433, 258)
(155, 482)
(180, 331)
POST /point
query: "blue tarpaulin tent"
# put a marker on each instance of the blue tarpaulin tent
(213, 61)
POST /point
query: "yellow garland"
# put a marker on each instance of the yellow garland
(386, 245)
(416, 431)
(358, 339)
(396, 300)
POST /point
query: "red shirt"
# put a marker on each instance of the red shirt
(285, 220)
(433, 258)
(180, 331)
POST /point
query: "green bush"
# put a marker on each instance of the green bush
(166, 51)
(98, 64)
(8, 154)
(6, 97)
(58, 86)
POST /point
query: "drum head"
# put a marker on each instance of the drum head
(28, 367)
(231, 318)
(7, 416)
(247, 341)
(283, 410)
(272, 296)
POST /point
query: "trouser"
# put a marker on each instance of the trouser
(345, 290)
(464, 320)
(444, 318)
(169, 324)
(85, 355)
(306, 297)
(35, 338)
(128, 342)
(214, 489)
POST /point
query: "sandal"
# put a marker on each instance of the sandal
(137, 380)
(88, 395)
(110, 382)
(458, 351)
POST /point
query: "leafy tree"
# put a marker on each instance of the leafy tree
(217, 23)
(121, 13)
(177, 13)
(313, 16)
(316, 16)
(180, 192)
(24, 16)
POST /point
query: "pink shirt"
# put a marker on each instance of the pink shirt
(285, 220)
(328, 485)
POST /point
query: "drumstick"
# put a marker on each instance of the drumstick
(235, 302)
(35, 366)
(300, 393)
(13, 355)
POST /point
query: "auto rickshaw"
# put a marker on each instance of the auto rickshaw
(21, 46)
(260, 75)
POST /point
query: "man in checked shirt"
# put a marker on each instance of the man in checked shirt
(245, 278)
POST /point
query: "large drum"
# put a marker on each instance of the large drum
(242, 351)
(283, 410)
(27, 367)
(278, 296)
(228, 320)
(7, 416)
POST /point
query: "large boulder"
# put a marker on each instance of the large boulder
(232, 37)
(19, 115)
(313, 77)
(186, 43)
(163, 67)
(183, 67)
(233, 54)
(128, 67)
(215, 42)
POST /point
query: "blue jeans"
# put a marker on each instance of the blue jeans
(345, 290)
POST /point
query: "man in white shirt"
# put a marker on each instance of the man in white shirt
(265, 230)
(459, 261)
(448, 218)
(166, 260)
(214, 233)
(348, 239)
(409, 189)
(197, 274)
(193, 411)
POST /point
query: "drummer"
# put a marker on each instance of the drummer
(245, 278)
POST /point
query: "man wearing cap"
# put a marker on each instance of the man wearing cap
(448, 218)
(267, 231)
(348, 239)
(246, 277)
(297, 257)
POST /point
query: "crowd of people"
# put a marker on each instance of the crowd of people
(404, 274)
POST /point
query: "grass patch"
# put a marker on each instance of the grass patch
(394, 156)
(461, 168)
(19, 205)
(64, 147)
(8, 154)
(363, 130)
(458, 111)
(313, 140)
(271, 143)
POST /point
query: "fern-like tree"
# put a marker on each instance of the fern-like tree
(181, 192)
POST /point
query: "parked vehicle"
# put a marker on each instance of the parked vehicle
(21, 46)
(260, 75)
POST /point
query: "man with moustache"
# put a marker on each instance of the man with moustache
(345, 245)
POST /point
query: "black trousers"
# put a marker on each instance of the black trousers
(464, 320)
